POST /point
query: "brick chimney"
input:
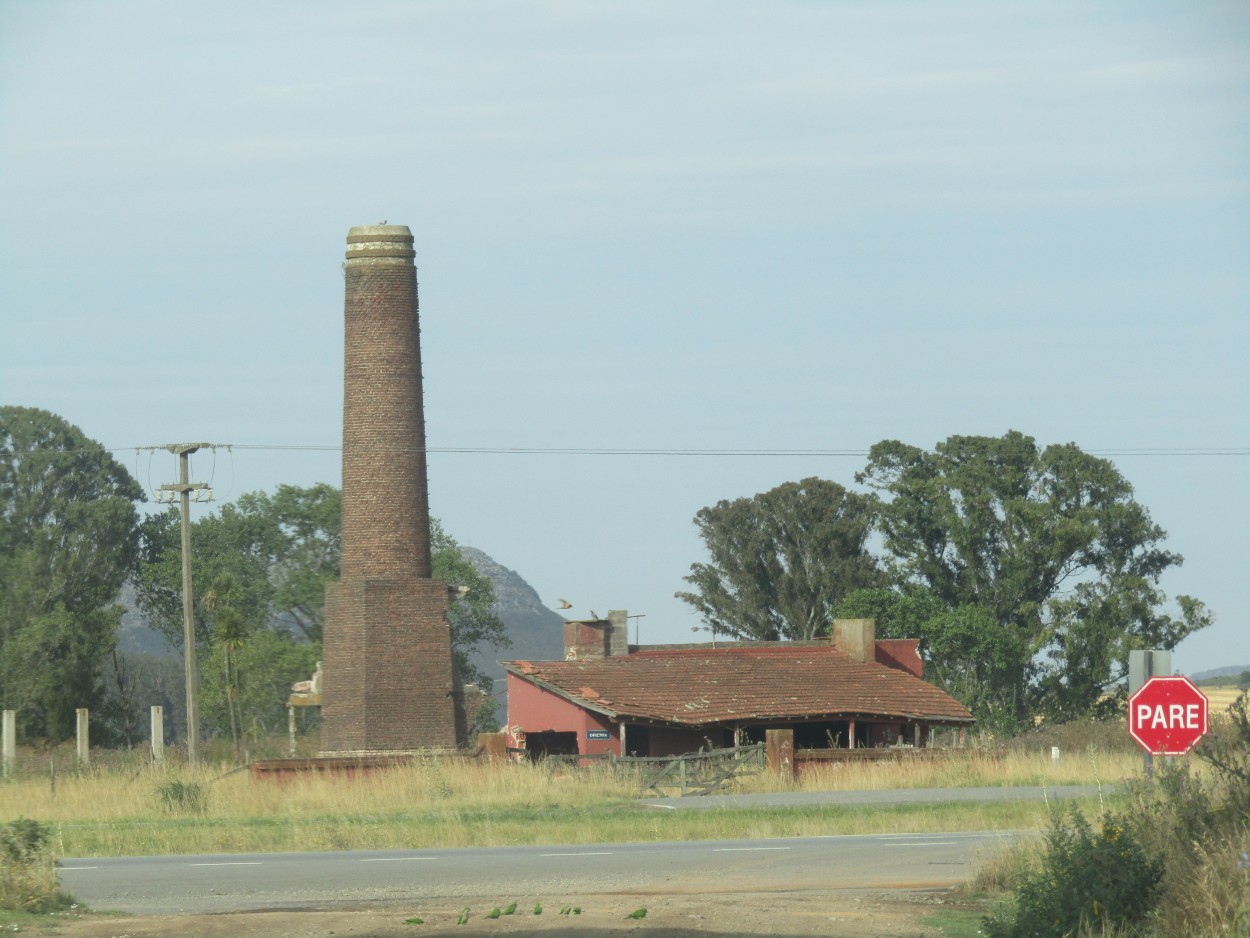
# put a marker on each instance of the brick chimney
(597, 638)
(856, 638)
(388, 674)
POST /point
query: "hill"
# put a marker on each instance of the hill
(1231, 671)
(537, 632)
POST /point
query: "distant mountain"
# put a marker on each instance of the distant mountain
(537, 632)
(1230, 671)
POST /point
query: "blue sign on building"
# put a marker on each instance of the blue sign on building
(598, 734)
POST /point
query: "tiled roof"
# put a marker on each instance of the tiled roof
(697, 686)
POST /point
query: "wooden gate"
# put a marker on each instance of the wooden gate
(698, 773)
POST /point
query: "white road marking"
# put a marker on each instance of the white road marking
(394, 859)
(925, 843)
(603, 854)
(744, 849)
(236, 863)
(79, 867)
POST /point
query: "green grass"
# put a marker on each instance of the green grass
(539, 825)
(956, 924)
(47, 923)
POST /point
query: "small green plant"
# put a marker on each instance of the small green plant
(28, 877)
(183, 797)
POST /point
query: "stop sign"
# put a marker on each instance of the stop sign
(1167, 715)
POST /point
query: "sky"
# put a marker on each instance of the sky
(669, 253)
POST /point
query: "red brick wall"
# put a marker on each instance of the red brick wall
(533, 709)
(387, 681)
(903, 654)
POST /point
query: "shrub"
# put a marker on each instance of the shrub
(1201, 828)
(28, 877)
(1086, 879)
(185, 797)
(1176, 862)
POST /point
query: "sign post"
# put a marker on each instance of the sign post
(1167, 716)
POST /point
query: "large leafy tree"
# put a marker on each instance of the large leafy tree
(781, 559)
(68, 540)
(1047, 565)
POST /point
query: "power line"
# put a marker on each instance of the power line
(726, 452)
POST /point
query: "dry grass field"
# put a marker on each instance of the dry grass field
(134, 808)
(1220, 698)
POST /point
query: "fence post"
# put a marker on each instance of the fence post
(84, 735)
(10, 741)
(157, 723)
(779, 745)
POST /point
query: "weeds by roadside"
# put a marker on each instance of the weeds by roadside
(28, 877)
(1173, 860)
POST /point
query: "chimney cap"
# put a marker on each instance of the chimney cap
(384, 244)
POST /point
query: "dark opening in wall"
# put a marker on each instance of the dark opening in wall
(550, 743)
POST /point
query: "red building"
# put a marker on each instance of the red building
(608, 696)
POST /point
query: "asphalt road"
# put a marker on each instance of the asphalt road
(241, 882)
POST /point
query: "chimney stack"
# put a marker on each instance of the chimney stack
(388, 673)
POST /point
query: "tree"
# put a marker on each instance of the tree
(898, 614)
(264, 667)
(230, 633)
(1047, 562)
(297, 530)
(225, 545)
(68, 540)
(781, 560)
(260, 567)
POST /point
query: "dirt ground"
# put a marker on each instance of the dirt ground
(841, 913)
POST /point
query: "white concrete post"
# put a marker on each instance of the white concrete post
(84, 736)
(290, 729)
(158, 734)
(1054, 755)
(10, 741)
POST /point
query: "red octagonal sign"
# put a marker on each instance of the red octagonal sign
(1167, 716)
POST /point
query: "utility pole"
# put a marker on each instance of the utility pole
(184, 487)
